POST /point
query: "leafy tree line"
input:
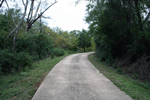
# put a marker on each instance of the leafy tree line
(121, 29)
(34, 45)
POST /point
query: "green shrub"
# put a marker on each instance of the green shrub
(6, 61)
(44, 45)
(119, 70)
(38, 46)
(69, 51)
(17, 61)
(23, 60)
(1, 70)
(2, 38)
(58, 52)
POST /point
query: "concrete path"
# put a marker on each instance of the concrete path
(75, 78)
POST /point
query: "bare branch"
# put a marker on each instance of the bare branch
(37, 10)
(1, 3)
(12, 32)
(33, 21)
(30, 12)
(46, 17)
(49, 7)
(23, 2)
(19, 25)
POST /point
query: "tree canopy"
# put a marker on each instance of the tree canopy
(84, 39)
(121, 29)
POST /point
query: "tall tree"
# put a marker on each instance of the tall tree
(119, 25)
(84, 40)
(31, 19)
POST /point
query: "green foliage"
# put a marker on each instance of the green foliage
(28, 48)
(6, 61)
(119, 70)
(23, 60)
(84, 40)
(14, 62)
(22, 86)
(58, 52)
(137, 90)
(2, 39)
(36, 44)
(117, 29)
(121, 29)
(44, 45)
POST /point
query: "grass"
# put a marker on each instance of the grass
(137, 90)
(23, 86)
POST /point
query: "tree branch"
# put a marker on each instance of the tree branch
(37, 10)
(19, 25)
(30, 12)
(33, 21)
(23, 3)
(1, 3)
(46, 17)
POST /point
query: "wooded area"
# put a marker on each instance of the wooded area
(25, 38)
(120, 30)
(122, 34)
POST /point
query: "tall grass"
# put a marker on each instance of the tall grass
(22, 86)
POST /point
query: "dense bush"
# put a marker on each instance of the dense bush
(22, 60)
(6, 61)
(44, 45)
(28, 48)
(36, 45)
(58, 52)
(10, 62)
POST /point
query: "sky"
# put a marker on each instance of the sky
(67, 15)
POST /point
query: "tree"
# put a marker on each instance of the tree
(84, 40)
(118, 25)
(30, 18)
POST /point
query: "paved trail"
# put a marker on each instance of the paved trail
(75, 78)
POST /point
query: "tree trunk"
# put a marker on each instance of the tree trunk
(18, 27)
(138, 15)
(84, 48)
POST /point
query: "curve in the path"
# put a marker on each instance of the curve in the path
(75, 78)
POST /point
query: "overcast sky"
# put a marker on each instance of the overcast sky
(67, 16)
